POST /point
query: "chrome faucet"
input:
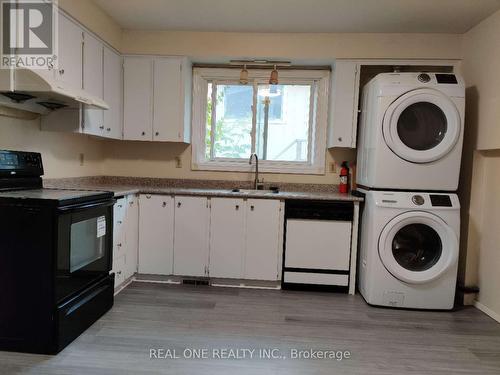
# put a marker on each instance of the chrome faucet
(256, 182)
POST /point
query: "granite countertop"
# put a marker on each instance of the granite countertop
(122, 186)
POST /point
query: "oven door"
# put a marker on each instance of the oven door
(84, 251)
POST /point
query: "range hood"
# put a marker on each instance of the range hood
(37, 91)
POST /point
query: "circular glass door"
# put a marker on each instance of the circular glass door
(417, 247)
(421, 126)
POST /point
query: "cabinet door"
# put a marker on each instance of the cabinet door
(191, 236)
(167, 108)
(262, 239)
(113, 90)
(156, 226)
(69, 70)
(132, 235)
(227, 237)
(137, 98)
(93, 83)
(344, 113)
(119, 231)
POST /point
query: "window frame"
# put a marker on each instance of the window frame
(317, 128)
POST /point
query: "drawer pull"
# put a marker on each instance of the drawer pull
(164, 204)
(237, 207)
(178, 204)
(252, 208)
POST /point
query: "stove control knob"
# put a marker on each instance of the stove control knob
(424, 77)
(418, 200)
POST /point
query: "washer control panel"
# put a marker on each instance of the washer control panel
(440, 200)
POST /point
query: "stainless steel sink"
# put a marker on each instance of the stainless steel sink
(254, 192)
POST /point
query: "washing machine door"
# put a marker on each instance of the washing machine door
(417, 247)
(421, 126)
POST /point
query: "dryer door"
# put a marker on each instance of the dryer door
(417, 247)
(421, 126)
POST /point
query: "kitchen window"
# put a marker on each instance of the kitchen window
(284, 124)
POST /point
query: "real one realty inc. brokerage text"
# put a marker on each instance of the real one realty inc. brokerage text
(246, 353)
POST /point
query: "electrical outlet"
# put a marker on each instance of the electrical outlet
(178, 162)
(82, 159)
(333, 167)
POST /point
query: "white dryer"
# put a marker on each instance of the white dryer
(409, 249)
(411, 131)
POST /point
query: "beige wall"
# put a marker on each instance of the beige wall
(60, 151)
(210, 45)
(480, 176)
(94, 18)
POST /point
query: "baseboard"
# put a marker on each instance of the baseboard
(487, 311)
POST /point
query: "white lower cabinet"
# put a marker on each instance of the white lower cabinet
(216, 237)
(125, 231)
(131, 225)
(262, 240)
(156, 234)
(227, 237)
(192, 217)
(244, 238)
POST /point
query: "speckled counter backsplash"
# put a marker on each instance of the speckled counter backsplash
(182, 183)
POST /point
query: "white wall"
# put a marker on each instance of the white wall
(480, 176)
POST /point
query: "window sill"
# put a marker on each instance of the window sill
(266, 167)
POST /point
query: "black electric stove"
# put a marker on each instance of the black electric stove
(55, 258)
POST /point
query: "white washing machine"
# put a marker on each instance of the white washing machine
(409, 249)
(411, 131)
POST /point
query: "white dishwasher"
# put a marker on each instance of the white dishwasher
(317, 244)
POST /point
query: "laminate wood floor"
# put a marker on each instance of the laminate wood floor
(380, 341)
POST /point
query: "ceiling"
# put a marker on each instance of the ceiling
(374, 16)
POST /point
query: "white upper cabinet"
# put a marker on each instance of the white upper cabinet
(167, 99)
(69, 70)
(192, 220)
(137, 98)
(227, 237)
(156, 98)
(113, 88)
(262, 250)
(156, 234)
(344, 104)
(93, 119)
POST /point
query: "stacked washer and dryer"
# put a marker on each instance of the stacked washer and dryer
(410, 146)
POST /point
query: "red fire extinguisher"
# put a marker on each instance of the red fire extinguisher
(344, 178)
